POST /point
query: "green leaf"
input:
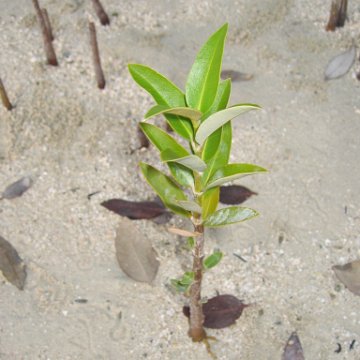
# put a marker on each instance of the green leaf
(221, 99)
(192, 114)
(221, 156)
(192, 162)
(210, 201)
(183, 284)
(191, 242)
(232, 172)
(190, 206)
(204, 76)
(164, 141)
(167, 190)
(229, 215)
(215, 121)
(213, 259)
(164, 92)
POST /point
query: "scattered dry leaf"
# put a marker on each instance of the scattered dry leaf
(135, 210)
(234, 194)
(183, 232)
(143, 140)
(11, 264)
(236, 75)
(17, 188)
(340, 64)
(220, 311)
(293, 349)
(134, 253)
(349, 275)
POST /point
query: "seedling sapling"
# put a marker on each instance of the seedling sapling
(201, 117)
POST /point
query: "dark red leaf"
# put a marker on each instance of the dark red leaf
(135, 210)
(143, 140)
(293, 349)
(234, 194)
(220, 311)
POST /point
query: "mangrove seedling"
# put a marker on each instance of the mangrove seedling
(201, 117)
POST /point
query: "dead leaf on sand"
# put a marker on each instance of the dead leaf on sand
(134, 253)
(17, 188)
(349, 275)
(234, 194)
(293, 349)
(236, 75)
(135, 210)
(340, 64)
(220, 311)
(11, 264)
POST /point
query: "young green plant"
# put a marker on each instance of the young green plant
(201, 117)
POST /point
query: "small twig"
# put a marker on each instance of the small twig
(100, 12)
(96, 56)
(239, 257)
(47, 24)
(4, 98)
(49, 49)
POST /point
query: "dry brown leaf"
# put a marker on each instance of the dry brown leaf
(182, 232)
(349, 275)
(134, 253)
(17, 188)
(220, 311)
(11, 264)
(293, 349)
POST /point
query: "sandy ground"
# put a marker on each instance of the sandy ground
(75, 139)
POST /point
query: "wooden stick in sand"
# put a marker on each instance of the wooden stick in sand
(338, 14)
(4, 98)
(96, 56)
(100, 12)
(49, 49)
(47, 23)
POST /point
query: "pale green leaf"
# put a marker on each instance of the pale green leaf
(229, 215)
(204, 76)
(164, 92)
(213, 259)
(167, 190)
(184, 283)
(232, 172)
(192, 162)
(190, 242)
(190, 206)
(215, 121)
(192, 114)
(210, 201)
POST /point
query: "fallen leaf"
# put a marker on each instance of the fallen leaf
(236, 75)
(340, 64)
(143, 140)
(135, 210)
(134, 253)
(183, 232)
(220, 311)
(235, 194)
(349, 275)
(11, 264)
(17, 188)
(293, 349)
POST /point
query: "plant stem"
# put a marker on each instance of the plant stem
(196, 331)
